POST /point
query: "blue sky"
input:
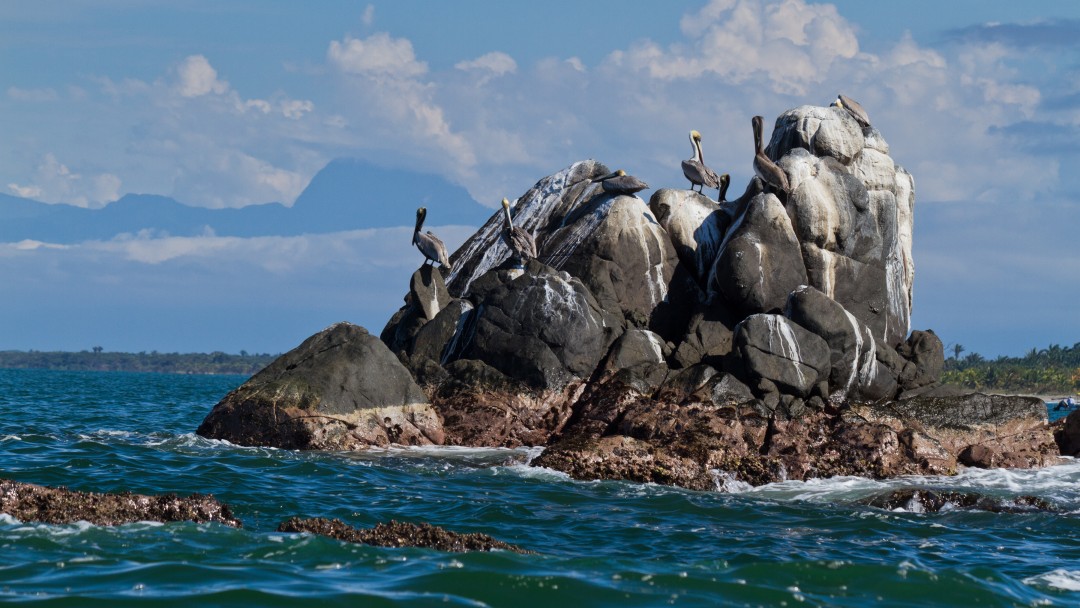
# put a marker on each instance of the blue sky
(226, 104)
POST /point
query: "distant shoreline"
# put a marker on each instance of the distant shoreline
(214, 363)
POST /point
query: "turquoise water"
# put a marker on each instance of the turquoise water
(598, 543)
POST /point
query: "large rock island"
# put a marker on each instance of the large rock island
(683, 341)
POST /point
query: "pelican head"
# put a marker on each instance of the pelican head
(838, 102)
(421, 213)
(695, 136)
(506, 213)
(612, 175)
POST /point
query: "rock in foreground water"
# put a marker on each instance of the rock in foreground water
(341, 389)
(399, 534)
(30, 502)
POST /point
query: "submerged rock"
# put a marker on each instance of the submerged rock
(920, 500)
(399, 534)
(341, 389)
(30, 502)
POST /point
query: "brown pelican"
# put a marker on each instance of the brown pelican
(522, 244)
(618, 182)
(857, 112)
(766, 169)
(695, 170)
(429, 244)
(725, 181)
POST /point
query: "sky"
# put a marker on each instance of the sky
(228, 104)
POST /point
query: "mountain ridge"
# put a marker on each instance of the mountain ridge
(346, 194)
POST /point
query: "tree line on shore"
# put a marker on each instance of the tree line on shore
(1051, 370)
(98, 359)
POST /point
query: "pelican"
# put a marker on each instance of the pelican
(857, 112)
(522, 244)
(619, 182)
(766, 169)
(695, 170)
(429, 244)
(725, 181)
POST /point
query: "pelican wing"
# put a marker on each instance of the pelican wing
(522, 243)
(699, 174)
(433, 248)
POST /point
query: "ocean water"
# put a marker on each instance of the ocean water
(596, 543)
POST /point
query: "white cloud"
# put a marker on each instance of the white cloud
(368, 18)
(394, 100)
(230, 178)
(32, 95)
(54, 182)
(296, 108)
(792, 44)
(196, 77)
(379, 55)
(495, 62)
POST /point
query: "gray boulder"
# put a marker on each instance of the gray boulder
(341, 389)
(856, 372)
(541, 211)
(925, 351)
(541, 327)
(437, 340)
(695, 224)
(760, 260)
(777, 350)
(619, 251)
(427, 296)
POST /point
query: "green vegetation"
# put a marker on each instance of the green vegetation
(1052, 370)
(169, 363)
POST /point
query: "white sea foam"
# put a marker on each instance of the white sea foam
(1059, 483)
(1060, 578)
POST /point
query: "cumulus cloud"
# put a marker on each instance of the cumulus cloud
(792, 44)
(387, 75)
(378, 55)
(196, 77)
(495, 62)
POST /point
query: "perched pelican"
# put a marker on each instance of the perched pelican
(725, 181)
(766, 169)
(619, 182)
(429, 244)
(522, 244)
(857, 112)
(695, 170)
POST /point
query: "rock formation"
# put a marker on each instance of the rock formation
(686, 341)
(341, 389)
(30, 502)
(399, 534)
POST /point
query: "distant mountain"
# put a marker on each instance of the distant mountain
(347, 194)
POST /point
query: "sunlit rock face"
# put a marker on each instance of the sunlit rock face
(851, 209)
(612, 244)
